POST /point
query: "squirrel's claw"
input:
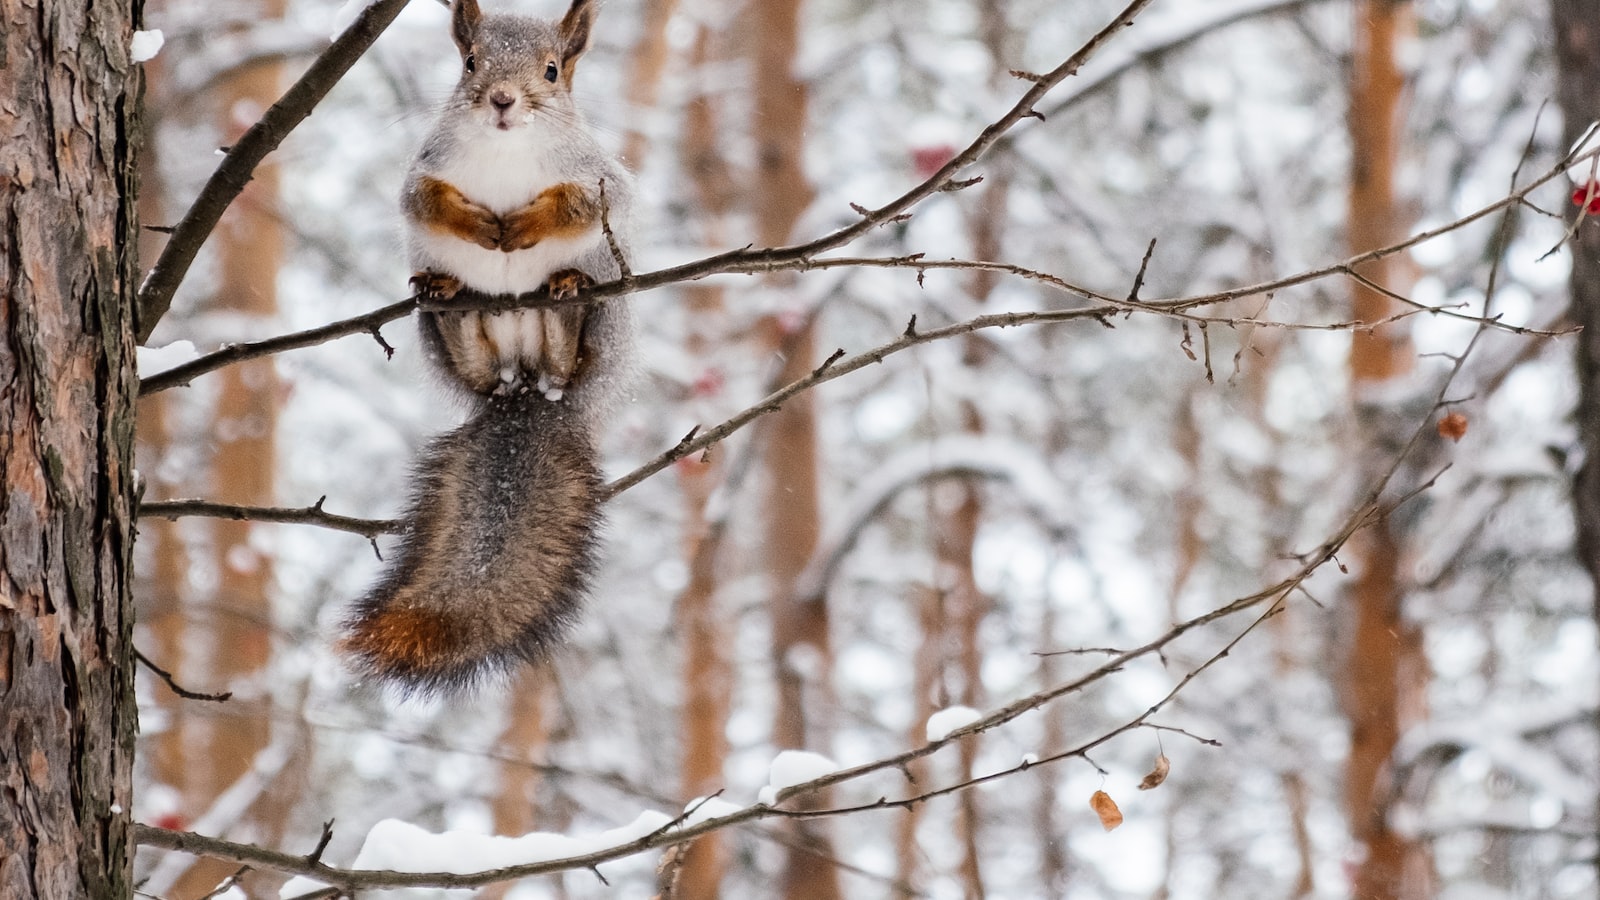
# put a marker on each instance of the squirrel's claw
(435, 285)
(565, 284)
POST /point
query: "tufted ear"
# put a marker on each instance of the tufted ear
(575, 31)
(464, 18)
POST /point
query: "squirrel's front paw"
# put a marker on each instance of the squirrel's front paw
(435, 285)
(521, 229)
(565, 284)
(484, 228)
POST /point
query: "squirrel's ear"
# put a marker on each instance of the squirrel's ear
(464, 17)
(575, 30)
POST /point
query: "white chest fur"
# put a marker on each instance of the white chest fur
(502, 170)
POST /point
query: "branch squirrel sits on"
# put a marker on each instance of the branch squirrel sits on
(504, 196)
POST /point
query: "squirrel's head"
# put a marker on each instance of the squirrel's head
(513, 66)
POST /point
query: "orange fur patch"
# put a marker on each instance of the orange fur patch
(561, 210)
(442, 207)
(404, 638)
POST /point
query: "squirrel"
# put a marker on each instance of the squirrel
(510, 191)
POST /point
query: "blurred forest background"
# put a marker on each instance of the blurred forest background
(1408, 713)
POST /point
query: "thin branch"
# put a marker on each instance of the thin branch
(230, 178)
(306, 515)
(1144, 266)
(751, 262)
(178, 689)
(624, 274)
(156, 294)
(1209, 742)
(366, 323)
(699, 439)
(1373, 506)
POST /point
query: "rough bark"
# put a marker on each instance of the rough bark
(1384, 669)
(1577, 39)
(68, 94)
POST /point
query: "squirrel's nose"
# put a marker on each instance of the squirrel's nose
(501, 99)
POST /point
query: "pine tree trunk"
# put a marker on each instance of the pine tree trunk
(521, 745)
(649, 60)
(238, 620)
(160, 585)
(1577, 37)
(799, 628)
(68, 93)
(1384, 670)
(707, 669)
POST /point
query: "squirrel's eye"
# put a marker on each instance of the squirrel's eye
(471, 63)
(551, 73)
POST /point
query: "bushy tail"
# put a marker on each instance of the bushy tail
(497, 553)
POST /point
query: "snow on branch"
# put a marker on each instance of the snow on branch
(1381, 499)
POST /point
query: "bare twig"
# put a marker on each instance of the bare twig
(750, 262)
(366, 323)
(306, 515)
(1274, 596)
(625, 275)
(178, 689)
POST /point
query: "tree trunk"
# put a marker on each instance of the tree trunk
(1383, 673)
(1577, 37)
(159, 589)
(239, 621)
(68, 93)
(650, 54)
(801, 651)
(707, 669)
(520, 746)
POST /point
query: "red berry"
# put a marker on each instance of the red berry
(1588, 197)
(710, 383)
(691, 466)
(928, 160)
(171, 821)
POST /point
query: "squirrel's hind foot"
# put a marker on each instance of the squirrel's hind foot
(435, 285)
(565, 284)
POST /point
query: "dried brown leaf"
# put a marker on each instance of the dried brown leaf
(1158, 773)
(1453, 426)
(1106, 809)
